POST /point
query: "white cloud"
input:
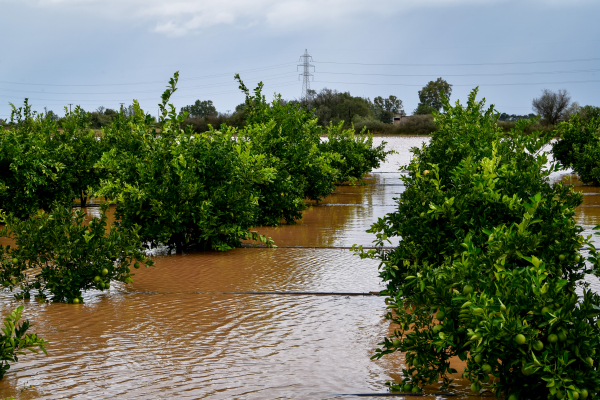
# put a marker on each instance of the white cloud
(181, 17)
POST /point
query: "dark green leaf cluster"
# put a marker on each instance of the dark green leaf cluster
(63, 253)
(579, 147)
(488, 264)
(41, 164)
(14, 340)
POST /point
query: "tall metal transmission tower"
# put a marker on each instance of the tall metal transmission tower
(306, 59)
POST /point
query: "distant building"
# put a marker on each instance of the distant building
(399, 119)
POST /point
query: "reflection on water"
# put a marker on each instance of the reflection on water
(170, 335)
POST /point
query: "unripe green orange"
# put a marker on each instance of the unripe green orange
(440, 315)
(396, 342)
(552, 338)
(562, 336)
(584, 393)
(468, 289)
(513, 397)
(560, 395)
(15, 260)
(475, 387)
(486, 368)
(538, 345)
(562, 257)
(520, 339)
(97, 279)
(75, 301)
(589, 361)
(527, 371)
(104, 272)
(478, 358)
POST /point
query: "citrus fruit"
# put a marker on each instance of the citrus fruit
(560, 395)
(396, 342)
(415, 389)
(440, 315)
(104, 272)
(575, 395)
(584, 393)
(527, 371)
(538, 345)
(485, 379)
(546, 310)
(107, 285)
(562, 257)
(562, 336)
(407, 387)
(520, 339)
(15, 260)
(422, 214)
(486, 368)
(75, 301)
(589, 361)
(475, 387)
(97, 279)
(478, 358)
(577, 258)
(513, 397)
(552, 338)
(468, 289)
(136, 265)
(101, 285)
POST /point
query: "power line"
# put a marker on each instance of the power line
(465, 64)
(306, 65)
(501, 74)
(468, 84)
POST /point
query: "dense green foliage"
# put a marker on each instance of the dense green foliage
(69, 253)
(359, 156)
(487, 265)
(182, 188)
(432, 96)
(41, 165)
(14, 340)
(579, 147)
(200, 109)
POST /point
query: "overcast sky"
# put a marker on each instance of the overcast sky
(105, 52)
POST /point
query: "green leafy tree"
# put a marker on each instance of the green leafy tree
(384, 109)
(14, 340)
(431, 97)
(488, 264)
(289, 136)
(200, 109)
(579, 147)
(331, 106)
(69, 253)
(182, 188)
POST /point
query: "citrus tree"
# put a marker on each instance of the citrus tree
(290, 137)
(488, 264)
(61, 254)
(358, 155)
(184, 189)
(579, 147)
(14, 340)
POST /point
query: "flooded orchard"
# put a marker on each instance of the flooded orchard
(220, 324)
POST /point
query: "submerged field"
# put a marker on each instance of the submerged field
(200, 325)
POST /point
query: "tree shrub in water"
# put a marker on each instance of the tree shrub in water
(487, 265)
(14, 340)
(289, 136)
(64, 255)
(579, 147)
(183, 188)
(359, 156)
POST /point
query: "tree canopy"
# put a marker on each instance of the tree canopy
(430, 97)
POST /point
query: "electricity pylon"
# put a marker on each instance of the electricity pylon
(306, 59)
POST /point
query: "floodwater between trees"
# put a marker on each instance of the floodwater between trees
(200, 325)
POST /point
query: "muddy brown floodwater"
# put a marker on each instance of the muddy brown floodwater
(179, 332)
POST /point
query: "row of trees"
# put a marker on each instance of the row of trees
(172, 187)
(489, 262)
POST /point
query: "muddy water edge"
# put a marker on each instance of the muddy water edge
(199, 325)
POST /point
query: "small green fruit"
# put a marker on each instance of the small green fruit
(520, 339)
(538, 345)
(97, 279)
(486, 368)
(575, 395)
(104, 272)
(107, 285)
(75, 301)
(475, 387)
(562, 257)
(407, 387)
(136, 265)
(552, 338)
(422, 214)
(513, 397)
(485, 379)
(527, 371)
(478, 358)
(416, 389)
(560, 395)
(440, 315)
(584, 393)
(15, 260)
(546, 310)
(395, 342)
(101, 285)
(589, 361)
(577, 258)
(562, 336)
(468, 289)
